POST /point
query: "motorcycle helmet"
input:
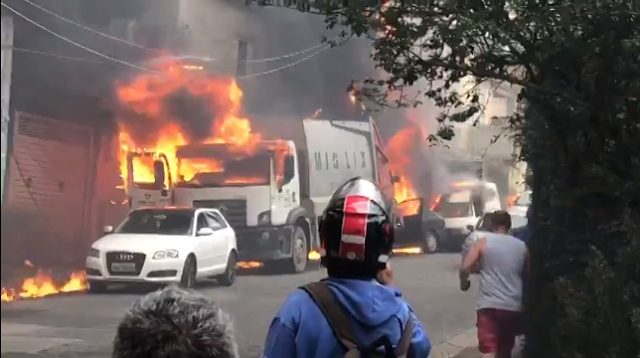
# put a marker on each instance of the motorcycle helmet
(356, 230)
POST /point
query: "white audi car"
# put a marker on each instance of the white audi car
(162, 246)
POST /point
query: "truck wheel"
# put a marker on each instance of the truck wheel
(430, 243)
(300, 251)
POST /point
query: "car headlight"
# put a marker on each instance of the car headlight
(264, 218)
(165, 254)
(94, 253)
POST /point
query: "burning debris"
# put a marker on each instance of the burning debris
(43, 284)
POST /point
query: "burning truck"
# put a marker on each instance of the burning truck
(271, 195)
(271, 188)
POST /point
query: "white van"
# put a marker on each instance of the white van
(462, 208)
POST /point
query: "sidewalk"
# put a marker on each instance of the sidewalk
(471, 352)
(457, 346)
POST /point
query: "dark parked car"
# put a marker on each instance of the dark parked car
(420, 227)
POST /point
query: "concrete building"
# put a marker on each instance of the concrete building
(484, 146)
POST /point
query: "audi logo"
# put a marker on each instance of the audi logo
(125, 257)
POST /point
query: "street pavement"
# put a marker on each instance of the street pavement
(83, 325)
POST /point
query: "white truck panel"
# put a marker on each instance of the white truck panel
(338, 151)
(460, 197)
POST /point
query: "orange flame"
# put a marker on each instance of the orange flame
(407, 250)
(147, 96)
(42, 284)
(314, 256)
(249, 265)
(398, 148)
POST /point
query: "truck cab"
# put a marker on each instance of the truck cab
(257, 192)
(256, 189)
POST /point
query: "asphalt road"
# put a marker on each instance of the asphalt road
(84, 325)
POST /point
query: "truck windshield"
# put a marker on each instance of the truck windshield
(209, 172)
(450, 210)
(157, 222)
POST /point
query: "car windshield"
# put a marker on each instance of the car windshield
(158, 222)
(523, 200)
(450, 210)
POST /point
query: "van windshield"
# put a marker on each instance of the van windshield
(449, 210)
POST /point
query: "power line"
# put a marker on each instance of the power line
(257, 60)
(99, 54)
(63, 57)
(278, 69)
(80, 59)
(207, 59)
(87, 28)
(281, 68)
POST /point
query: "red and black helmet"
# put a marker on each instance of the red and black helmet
(356, 228)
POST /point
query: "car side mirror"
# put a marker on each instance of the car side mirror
(289, 168)
(107, 230)
(471, 228)
(205, 231)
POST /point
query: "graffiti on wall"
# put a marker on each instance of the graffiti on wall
(7, 52)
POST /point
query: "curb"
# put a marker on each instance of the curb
(451, 347)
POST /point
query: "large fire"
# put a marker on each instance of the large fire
(398, 149)
(148, 96)
(43, 284)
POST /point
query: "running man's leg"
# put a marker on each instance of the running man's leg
(509, 326)
(488, 333)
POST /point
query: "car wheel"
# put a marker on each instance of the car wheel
(188, 279)
(228, 278)
(300, 252)
(430, 243)
(97, 287)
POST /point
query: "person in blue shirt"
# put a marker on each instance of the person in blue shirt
(524, 233)
(357, 237)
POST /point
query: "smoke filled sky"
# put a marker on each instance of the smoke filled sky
(319, 82)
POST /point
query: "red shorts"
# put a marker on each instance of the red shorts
(497, 331)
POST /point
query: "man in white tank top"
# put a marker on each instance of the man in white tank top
(501, 261)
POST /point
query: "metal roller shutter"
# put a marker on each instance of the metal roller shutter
(50, 169)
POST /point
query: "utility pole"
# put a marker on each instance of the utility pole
(241, 59)
(7, 55)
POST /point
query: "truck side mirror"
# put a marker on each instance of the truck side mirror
(158, 174)
(395, 179)
(289, 168)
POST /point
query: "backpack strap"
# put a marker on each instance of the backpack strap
(405, 340)
(333, 312)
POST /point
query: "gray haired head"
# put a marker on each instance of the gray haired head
(175, 323)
